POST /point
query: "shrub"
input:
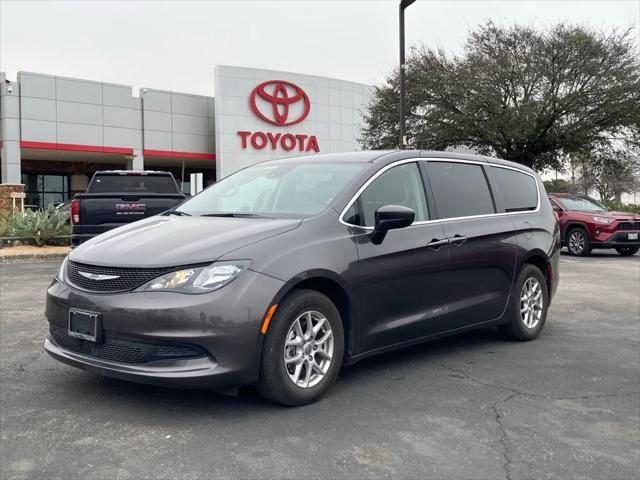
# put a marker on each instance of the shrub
(6, 225)
(40, 226)
(621, 207)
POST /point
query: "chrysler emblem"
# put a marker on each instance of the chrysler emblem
(98, 277)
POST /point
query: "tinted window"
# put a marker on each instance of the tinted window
(400, 185)
(133, 184)
(460, 189)
(517, 191)
(273, 189)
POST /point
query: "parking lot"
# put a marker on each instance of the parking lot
(564, 406)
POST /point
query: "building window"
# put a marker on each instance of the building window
(42, 189)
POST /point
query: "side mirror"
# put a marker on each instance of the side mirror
(390, 217)
(557, 209)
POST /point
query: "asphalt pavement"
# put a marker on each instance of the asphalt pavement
(475, 406)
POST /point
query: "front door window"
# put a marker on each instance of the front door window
(400, 185)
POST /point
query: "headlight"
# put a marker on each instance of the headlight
(63, 270)
(198, 279)
(606, 220)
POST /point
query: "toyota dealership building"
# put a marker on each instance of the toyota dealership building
(56, 131)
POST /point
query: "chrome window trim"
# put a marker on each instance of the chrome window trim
(439, 220)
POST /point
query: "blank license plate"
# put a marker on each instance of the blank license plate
(84, 325)
(633, 236)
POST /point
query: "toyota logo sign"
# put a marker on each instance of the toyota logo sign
(280, 103)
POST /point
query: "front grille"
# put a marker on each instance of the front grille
(119, 352)
(629, 226)
(123, 350)
(127, 278)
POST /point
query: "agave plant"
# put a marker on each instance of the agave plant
(41, 226)
(6, 225)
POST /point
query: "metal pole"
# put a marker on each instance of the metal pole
(142, 131)
(403, 81)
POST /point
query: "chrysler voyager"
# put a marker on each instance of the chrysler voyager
(281, 273)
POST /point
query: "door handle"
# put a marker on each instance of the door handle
(436, 244)
(457, 239)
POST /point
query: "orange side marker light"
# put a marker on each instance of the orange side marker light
(267, 318)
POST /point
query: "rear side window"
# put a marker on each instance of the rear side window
(515, 191)
(460, 189)
(400, 185)
(134, 184)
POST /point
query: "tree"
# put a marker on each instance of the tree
(557, 185)
(515, 92)
(610, 171)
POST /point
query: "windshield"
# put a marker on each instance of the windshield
(278, 190)
(584, 204)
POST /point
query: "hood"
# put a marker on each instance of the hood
(622, 215)
(614, 215)
(173, 241)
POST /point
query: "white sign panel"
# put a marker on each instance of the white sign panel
(266, 114)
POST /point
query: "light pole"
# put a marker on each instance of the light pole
(403, 87)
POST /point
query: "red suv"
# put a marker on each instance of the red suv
(587, 224)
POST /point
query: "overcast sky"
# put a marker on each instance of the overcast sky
(175, 45)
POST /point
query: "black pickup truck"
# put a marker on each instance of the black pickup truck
(115, 198)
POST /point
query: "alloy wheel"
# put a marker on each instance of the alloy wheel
(576, 242)
(308, 349)
(531, 302)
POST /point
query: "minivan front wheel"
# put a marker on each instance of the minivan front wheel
(528, 308)
(302, 350)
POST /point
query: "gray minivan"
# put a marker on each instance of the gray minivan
(281, 273)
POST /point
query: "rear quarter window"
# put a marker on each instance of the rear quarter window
(133, 184)
(515, 191)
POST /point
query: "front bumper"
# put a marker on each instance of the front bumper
(223, 325)
(618, 239)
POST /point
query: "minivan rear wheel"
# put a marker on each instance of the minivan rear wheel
(528, 308)
(302, 350)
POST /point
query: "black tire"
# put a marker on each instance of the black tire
(581, 247)
(516, 328)
(627, 251)
(274, 382)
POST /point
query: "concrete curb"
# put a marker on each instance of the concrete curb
(30, 257)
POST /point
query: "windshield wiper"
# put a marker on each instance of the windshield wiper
(178, 212)
(234, 215)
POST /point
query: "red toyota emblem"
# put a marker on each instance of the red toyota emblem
(275, 101)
